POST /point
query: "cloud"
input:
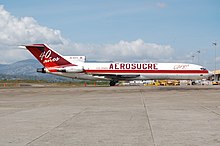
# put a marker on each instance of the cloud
(26, 30)
(161, 5)
(136, 50)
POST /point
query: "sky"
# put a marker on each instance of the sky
(125, 30)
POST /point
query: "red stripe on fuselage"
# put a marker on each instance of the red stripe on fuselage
(147, 71)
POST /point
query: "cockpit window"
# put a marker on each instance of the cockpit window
(203, 68)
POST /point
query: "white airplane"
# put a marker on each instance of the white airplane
(77, 67)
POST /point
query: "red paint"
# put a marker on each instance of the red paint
(148, 71)
(149, 66)
(46, 56)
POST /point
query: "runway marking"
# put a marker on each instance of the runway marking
(208, 109)
(147, 115)
(73, 116)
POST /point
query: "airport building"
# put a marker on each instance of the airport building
(216, 75)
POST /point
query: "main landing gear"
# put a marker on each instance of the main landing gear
(113, 83)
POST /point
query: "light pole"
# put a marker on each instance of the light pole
(198, 55)
(215, 44)
(192, 58)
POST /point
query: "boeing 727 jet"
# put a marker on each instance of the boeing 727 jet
(77, 67)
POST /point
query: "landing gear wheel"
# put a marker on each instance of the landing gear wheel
(112, 83)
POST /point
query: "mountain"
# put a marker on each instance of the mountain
(26, 69)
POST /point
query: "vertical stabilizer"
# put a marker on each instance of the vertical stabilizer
(46, 56)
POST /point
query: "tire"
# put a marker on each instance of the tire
(112, 83)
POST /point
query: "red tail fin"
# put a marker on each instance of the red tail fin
(47, 56)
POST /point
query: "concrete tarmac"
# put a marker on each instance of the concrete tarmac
(110, 116)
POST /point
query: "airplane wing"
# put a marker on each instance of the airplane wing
(117, 77)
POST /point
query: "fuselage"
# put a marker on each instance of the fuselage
(139, 71)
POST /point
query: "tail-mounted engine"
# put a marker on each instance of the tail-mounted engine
(41, 70)
(71, 69)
